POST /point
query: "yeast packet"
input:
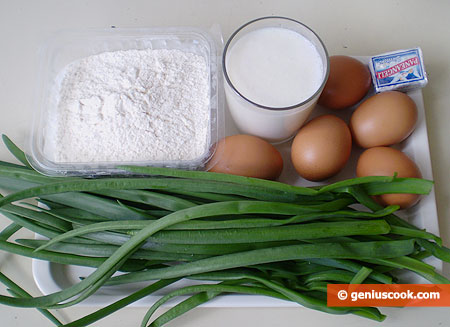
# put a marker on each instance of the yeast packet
(398, 70)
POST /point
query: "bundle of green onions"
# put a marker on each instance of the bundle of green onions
(250, 236)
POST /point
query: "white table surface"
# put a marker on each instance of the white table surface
(346, 27)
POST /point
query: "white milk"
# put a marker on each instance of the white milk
(272, 67)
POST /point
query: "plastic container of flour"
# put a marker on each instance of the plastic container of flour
(65, 48)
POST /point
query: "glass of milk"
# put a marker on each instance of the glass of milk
(275, 69)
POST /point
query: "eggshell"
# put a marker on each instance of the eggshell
(246, 155)
(385, 161)
(348, 82)
(384, 119)
(321, 148)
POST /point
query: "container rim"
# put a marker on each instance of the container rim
(295, 106)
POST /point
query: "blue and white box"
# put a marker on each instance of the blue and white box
(398, 70)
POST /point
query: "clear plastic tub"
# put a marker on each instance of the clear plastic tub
(69, 46)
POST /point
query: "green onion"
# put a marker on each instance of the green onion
(361, 275)
(19, 292)
(250, 236)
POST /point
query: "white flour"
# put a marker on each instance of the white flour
(132, 105)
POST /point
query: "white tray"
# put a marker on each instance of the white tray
(51, 277)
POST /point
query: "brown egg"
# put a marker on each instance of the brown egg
(383, 119)
(348, 82)
(385, 161)
(321, 148)
(246, 155)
